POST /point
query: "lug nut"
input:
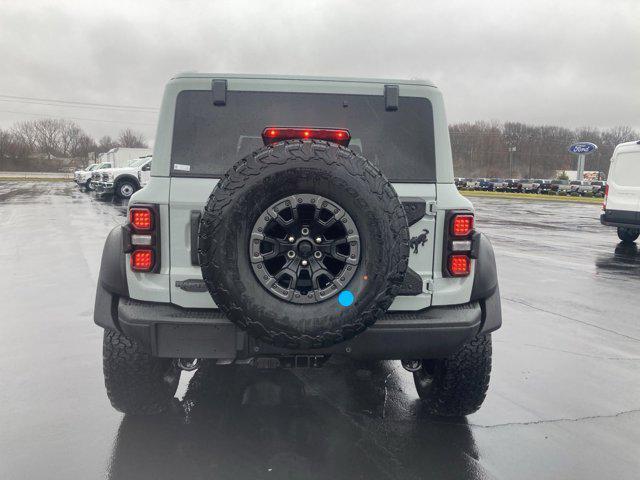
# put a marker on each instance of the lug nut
(305, 231)
(304, 263)
(317, 254)
(291, 254)
(291, 239)
(318, 239)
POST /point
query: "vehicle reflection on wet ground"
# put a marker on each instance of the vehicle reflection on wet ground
(564, 400)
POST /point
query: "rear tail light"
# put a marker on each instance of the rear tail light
(141, 219)
(143, 236)
(142, 260)
(277, 134)
(459, 265)
(461, 225)
(606, 194)
(458, 244)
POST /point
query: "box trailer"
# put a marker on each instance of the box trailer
(120, 157)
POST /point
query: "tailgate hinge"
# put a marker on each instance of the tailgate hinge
(432, 207)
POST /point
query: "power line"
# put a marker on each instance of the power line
(50, 101)
(81, 119)
(29, 102)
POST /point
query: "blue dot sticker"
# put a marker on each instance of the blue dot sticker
(345, 298)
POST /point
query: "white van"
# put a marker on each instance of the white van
(622, 195)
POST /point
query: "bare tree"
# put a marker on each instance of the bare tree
(48, 132)
(70, 134)
(83, 146)
(25, 133)
(131, 139)
(106, 143)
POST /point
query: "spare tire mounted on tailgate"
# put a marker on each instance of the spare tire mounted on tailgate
(304, 244)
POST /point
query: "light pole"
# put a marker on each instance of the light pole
(511, 150)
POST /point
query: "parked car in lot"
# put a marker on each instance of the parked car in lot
(545, 186)
(559, 187)
(495, 184)
(621, 207)
(461, 182)
(82, 177)
(304, 249)
(123, 182)
(473, 183)
(598, 188)
(512, 185)
(531, 186)
(575, 185)
(483, 184)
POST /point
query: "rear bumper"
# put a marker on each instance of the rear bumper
(167, 330)
(620, 218)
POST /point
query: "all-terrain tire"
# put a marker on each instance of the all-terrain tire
(282, 170)
(628, 235)
(137, 383)
(456, 386)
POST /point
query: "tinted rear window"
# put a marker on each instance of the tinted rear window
(209, 139)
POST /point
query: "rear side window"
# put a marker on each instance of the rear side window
(626, 170)
(208, 139)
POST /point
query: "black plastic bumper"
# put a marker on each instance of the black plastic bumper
(170, 331)
(620, 218)
(167, 330)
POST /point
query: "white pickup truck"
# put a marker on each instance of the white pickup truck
(82, 177)
(123, 182)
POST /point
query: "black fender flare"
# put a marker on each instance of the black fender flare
(112, 281)
(485, 284)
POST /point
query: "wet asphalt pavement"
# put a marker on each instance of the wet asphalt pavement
(564, 400)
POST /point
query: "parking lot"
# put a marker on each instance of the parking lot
(564, 401)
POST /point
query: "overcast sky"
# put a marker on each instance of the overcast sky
(563, 62)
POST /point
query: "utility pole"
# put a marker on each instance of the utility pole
(511, 150)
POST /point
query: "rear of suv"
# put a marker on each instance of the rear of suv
(288, 219)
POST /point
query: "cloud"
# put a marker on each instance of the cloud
(569, 63)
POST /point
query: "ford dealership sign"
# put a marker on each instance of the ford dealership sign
(583, 148)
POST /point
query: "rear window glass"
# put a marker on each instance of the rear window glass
(208, 139)
(627, 169)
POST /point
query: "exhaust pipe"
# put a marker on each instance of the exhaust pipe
(412, 365)
(188, 364)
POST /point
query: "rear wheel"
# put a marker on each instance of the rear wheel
(456, 385)
(136, 382)
(89, 185)
(628, 235)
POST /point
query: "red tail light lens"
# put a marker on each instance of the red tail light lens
(606, 194)
(141, 219)
(277, 134)
(459, 265)
(461, 225)
(142, 260)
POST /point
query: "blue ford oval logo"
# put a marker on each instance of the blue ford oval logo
(583, 148)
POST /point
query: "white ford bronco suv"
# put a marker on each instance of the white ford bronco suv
(288, 219)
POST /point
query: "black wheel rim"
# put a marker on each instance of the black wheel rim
(304, 248)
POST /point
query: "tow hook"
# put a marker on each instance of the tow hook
(188, 364)
(412, 365)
